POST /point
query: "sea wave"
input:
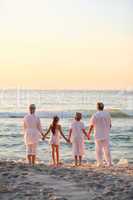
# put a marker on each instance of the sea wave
(115, 113)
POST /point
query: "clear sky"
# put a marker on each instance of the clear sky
(66, 44)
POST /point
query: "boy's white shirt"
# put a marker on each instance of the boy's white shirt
(77, 131)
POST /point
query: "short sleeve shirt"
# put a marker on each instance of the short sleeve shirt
(77, 130)
(101, 121)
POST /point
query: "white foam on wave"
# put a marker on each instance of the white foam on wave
(116, 113)
(123, 162)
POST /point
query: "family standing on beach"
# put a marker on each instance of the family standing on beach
(100, 122)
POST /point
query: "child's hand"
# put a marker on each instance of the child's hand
(43, 138)
(69, 141)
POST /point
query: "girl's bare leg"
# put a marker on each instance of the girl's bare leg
(29, 158)
(33, 159)
(76, 160)
(57, 155)
(53, 154)
(80, 160)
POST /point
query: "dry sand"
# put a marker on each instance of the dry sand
(19, 181)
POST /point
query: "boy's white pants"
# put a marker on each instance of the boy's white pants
(103, 150)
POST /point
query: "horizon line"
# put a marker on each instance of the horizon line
(76, 89)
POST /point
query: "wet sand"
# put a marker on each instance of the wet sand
(19, 181)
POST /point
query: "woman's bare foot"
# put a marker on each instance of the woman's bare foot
(53, 165)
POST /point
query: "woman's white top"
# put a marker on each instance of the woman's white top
(32, 129)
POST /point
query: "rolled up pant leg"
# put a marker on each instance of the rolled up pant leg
(99, 152)
(107, 154)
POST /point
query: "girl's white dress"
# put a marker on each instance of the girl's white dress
(77, 138)
(55, 138)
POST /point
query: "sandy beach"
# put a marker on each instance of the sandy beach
(19, 181)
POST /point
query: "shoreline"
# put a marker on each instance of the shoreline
(20, 181)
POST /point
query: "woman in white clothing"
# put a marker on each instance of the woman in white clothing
(32, 133)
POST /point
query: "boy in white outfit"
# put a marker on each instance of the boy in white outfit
(101, 122)
(76, 132)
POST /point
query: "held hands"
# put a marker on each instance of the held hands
(89, 136)
(69, 141)
(43, 137)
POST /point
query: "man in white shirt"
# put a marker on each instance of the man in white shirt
(101, 123)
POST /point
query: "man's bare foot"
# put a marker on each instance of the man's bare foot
(109, 165)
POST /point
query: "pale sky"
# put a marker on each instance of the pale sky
(73, 44)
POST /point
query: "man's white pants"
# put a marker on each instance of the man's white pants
(103, 150)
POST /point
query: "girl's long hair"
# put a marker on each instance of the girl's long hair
(54, 123)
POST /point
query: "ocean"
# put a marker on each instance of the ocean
(14, 105)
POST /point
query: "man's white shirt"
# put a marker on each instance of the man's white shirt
(101, 121)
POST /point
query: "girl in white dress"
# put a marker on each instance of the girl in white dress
(76, 132)
(56, 133)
